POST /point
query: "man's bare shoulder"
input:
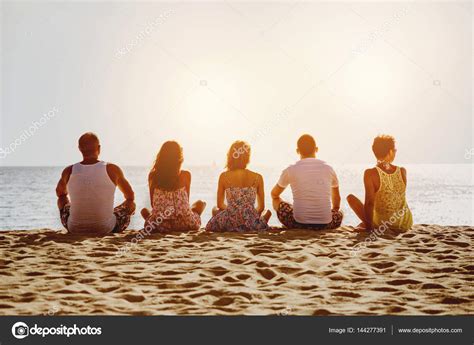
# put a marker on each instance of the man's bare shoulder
(114, 172)
(113, 168)
(67, 171)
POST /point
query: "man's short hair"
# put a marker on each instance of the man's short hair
(382, 145)
(88, 143)
(306, 145)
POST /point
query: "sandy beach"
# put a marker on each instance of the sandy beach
(426, 271)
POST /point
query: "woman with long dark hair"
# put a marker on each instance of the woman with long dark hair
(169, 193)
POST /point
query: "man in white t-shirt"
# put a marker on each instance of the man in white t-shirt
(315, 191)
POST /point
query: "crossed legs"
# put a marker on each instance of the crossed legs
(285, 216)
(198, 207)
(123, 215)
(265, 216)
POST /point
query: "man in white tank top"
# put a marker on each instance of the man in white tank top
(315, 190)
(86, 193)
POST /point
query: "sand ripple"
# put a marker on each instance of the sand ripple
(426, 271)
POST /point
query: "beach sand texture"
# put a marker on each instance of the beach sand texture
(428, 270)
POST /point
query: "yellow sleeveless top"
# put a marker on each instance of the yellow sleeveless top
(390, 207)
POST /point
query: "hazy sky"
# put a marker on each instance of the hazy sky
(207, 74)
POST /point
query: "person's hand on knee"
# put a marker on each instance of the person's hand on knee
(130, 205)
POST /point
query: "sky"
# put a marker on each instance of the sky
(209, 73)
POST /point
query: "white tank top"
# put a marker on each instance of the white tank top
(92, 199)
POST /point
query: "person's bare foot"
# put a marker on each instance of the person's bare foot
(361, 227)
(199, 207)
(215, 211)
(145, 213)
(267, 215)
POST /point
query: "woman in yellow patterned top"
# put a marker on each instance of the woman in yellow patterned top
(385, 205)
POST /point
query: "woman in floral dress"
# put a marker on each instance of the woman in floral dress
(169, 193)
(240, 187)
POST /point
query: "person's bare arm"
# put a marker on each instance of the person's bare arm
(187, 181)
(150, 190)
(276, 191)
(221, 194)
(61, 188)
(369, 199)
(276, 199)
(118, 178)
(404, 175)
(336, 198)
(260, 195)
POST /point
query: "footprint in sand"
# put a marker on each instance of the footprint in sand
(34, 274)
(444, 270)
(243, 276)
(432, 311)
(109, 289)
(423, 251)
(382, 264)
(267, 273)
(237, 261)
(288, 270)
(321, 312)
(346, 294)
(230, 280)
(218, 271)
(453, 300)
(191, 285)
(396, 309)
(405, 272)
(86, 281)
(432, 286)
(403, 282)
(259, 251)
(224, 301)
(133, 298)
(458, 244)
(469, 268)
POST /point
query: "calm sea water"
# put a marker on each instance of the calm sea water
(437, 194)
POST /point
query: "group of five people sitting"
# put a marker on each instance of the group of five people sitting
(86, 192)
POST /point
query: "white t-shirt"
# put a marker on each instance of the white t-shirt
(311, 181)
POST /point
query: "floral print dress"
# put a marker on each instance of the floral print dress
(171, 211)
(240, 214)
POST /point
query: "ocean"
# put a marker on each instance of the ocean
(436, 194)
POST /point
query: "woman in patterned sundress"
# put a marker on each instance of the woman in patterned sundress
(385, 204)
(241, 188)
(169, 194)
